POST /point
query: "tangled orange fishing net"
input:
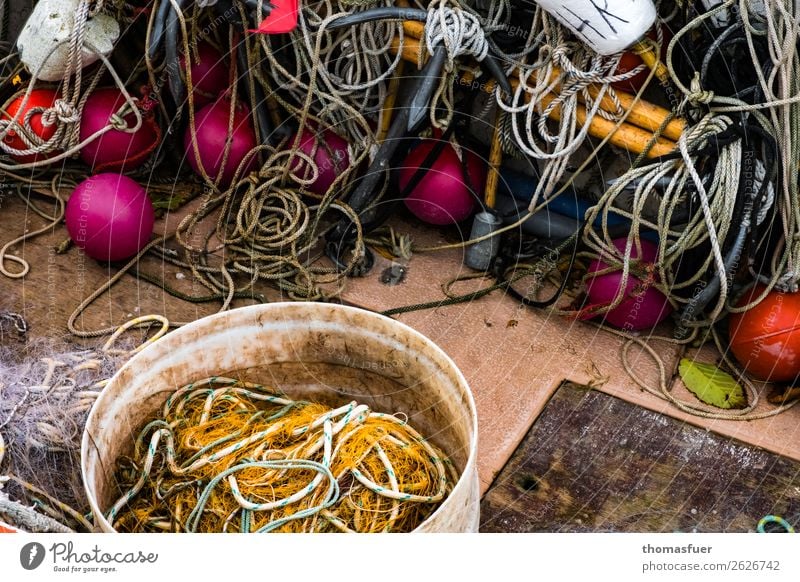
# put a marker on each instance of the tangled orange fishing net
(232, 456)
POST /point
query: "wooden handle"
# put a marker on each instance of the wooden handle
(647, 53)
(495, 159)
(627, 136)
(642, 114)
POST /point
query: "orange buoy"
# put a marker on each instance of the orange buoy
(766, 338)
(44, 98)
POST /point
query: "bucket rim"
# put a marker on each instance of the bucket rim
(468, 474)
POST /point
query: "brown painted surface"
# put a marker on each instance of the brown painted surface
(58, 283)
(513, 357)
(592, 462)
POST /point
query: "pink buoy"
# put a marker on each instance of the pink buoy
(331, 158)
(208, 72)
(211, 125)
(110, 217)
(644, 306)
(115, 150)
(441, 196)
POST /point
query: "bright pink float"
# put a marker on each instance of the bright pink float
(110, 217)
(644, 306)
(212, 138)
(331, 158)
(442, 196)
(115, 150)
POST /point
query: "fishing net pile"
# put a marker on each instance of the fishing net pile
(47, 389)
(661, 179)
(46, 392)
(231, 456)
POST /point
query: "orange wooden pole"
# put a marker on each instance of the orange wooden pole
(627, 136)
(643, 114)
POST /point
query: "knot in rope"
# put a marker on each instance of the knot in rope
(697, 95)
(98, 7)
(459, 30)
(560, 55)
(118, 122)
(787, 283)
(62, 111)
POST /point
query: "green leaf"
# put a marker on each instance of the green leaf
(711, 385)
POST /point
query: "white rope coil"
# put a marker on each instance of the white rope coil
(460, 31)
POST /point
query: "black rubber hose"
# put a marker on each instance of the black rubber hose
(159, 26)
(174, 79)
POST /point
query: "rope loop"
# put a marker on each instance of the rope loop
(697, 95)
(62, 112)
(459, 30)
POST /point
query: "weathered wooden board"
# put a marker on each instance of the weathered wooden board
(593, 462)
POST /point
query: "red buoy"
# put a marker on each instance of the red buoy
(115, 150)
(766, 338)
(209, 74)
(44, 98)
(331, 158)
(110, 217)
(643, 306)
(212, 138)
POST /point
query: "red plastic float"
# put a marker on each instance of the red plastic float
(766, 338)
(44, 98)
(115, 150)
(212, 138)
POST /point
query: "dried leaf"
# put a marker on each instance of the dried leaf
(711, 385)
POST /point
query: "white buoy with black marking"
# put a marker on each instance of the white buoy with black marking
(607, 26)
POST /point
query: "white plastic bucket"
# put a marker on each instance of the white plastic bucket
(327, 352)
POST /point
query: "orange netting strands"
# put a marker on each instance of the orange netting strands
(232, 456)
